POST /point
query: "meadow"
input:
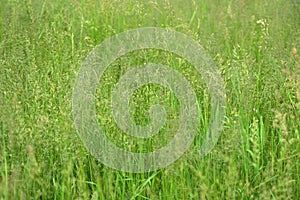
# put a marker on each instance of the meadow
(255, 45)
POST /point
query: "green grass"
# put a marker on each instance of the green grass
(254, 44)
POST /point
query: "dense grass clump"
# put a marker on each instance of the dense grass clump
(255, 45)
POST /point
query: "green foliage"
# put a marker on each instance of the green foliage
(254, 43)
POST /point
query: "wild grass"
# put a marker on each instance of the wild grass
(255, 45)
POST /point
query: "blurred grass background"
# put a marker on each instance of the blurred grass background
(255, 45)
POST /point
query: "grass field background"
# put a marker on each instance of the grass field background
(255, 45)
